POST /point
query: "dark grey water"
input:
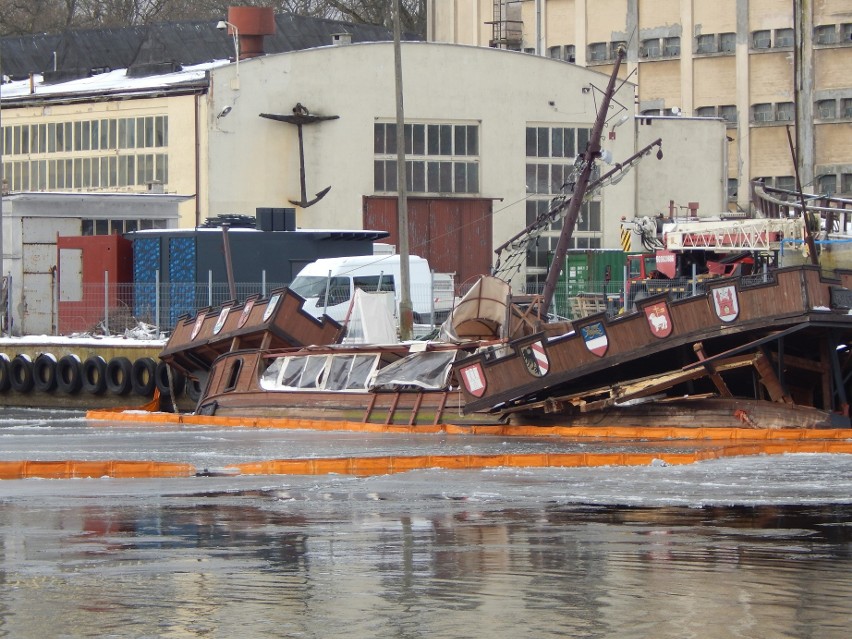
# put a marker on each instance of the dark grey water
(755, 547)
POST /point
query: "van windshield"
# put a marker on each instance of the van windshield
(310, 286)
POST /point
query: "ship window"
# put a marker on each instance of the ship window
(349, 372)
(234, 374)
(292, 371)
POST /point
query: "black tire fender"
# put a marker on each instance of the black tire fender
(143, 376)
(93, 375)
(118, 374)
(5, 383)
(21, 373)
(161, 377)
(193, 389)
(68, 376)
(44, 373)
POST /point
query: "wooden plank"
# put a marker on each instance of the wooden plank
(717, 380)
(770, 380)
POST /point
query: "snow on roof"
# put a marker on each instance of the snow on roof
(112, 82)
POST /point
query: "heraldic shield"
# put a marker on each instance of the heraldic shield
(473, 379)
(594, 335)
(726, 304)
(659, 319)
(535, 359)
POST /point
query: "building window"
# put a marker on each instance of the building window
(847, 107)
(650, 48)
(762, 112)
(705, 112)
(733, 184)
(783, 38)
(825, 34)
(846, 183)
(785, 111)
(615, 46)
(827, 184)
(671, 47)
(761, 39)
(551, 152)
(440, 158)
(728, 42)
(728, 112)
(785, 182)
(563, 52)
(705, 43)
(827, 109)
(846, 28)
(597, 51)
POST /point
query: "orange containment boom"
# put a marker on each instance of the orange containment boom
(75, 469)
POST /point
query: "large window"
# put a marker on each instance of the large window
(86, 154)
(552, 152)
(440, 158)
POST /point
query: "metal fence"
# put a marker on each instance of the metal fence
(113, 309)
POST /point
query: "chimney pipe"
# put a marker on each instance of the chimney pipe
(253, 23)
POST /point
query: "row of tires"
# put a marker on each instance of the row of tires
(94, 375)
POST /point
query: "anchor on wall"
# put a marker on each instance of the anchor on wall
(300, 117)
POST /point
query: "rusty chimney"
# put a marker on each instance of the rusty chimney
(252, 23)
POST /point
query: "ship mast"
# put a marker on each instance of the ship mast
(593, 151)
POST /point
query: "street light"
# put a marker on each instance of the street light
(224, 24)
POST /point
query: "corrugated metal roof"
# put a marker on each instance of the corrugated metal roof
(186, 43)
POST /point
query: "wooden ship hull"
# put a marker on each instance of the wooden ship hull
(249, 384)
(766, 351)
(274, 322)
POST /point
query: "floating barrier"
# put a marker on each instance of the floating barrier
(76, 469)
(649, 433)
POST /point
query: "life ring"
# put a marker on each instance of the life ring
(193, 389)
(143, 377)
(93, 375)
(4, 373)
(68, 377)
(161, 378)
(44, 373)
(21, 373)
(118, 373)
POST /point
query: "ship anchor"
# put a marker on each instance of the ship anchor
(301, 116)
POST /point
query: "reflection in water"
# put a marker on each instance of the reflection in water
(274, 564)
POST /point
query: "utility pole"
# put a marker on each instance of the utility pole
(406, 315)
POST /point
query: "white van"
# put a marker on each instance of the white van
(329, 284)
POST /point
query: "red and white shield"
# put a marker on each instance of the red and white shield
(473, 379)
(245, 314)
(659, 319)
(725, 302)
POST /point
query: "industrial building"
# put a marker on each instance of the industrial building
(760, 65)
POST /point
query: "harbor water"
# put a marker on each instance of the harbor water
(755, 546)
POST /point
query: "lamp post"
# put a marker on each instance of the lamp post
(235, 32)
